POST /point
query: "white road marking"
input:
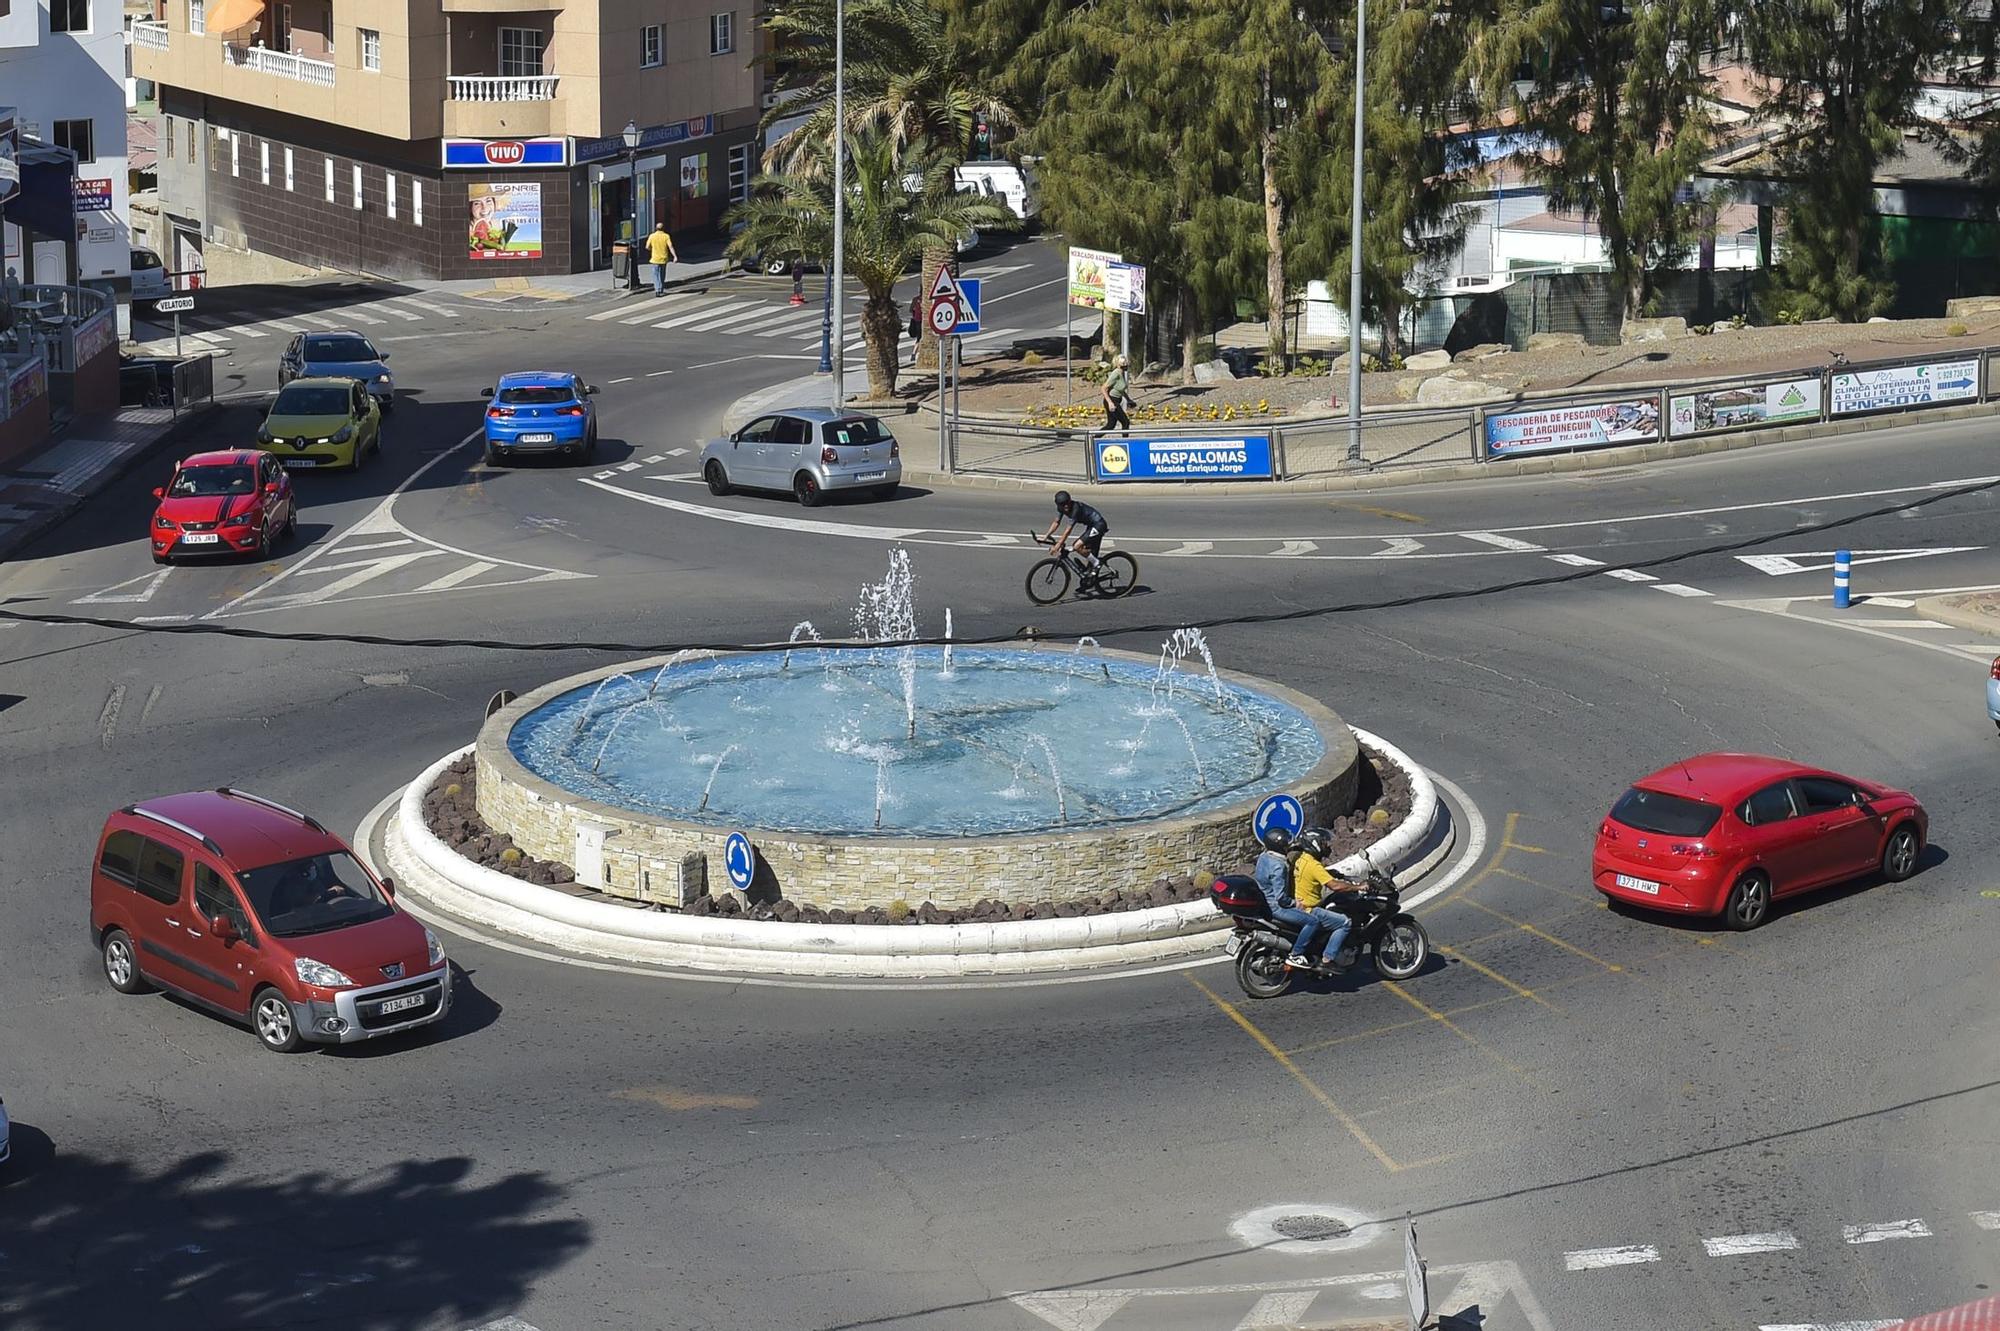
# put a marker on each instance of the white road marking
(361, 318)
(1578, 561)
(1072, 1310)
(150, 583)
(983, 274)
(161, 619)
(457, 576)
(1500, 542)
(506, 1324)
(1298, 547)
(1829, 1326)
(1399, 546)
(629, 466)
(738, 320)
(626, 380)
(707, 311)
(1629, 575)
(399, 560)
(107, 720)
(1883, 1231)
(384, 307)
(612, 313)
(988, 335)
(1273, 1311)
(1907, 624)
(365, 571)
(1678, 589)
(654, 374)
(676, 452)
(284, 325)
(1487, 1284)
(1735, 1245)
(315, 320)
(1189, 548)
(428, 308)
(1779, 565)
(1471, 849)
(1892, 602)
(1591, 1259)
(766, 520)
(355, 548)
(792, 326)
(209, 339)
(249, 330)
(667, 308)
(1986, 1219)
(152, 699)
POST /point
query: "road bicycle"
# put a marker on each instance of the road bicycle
(1115, 574)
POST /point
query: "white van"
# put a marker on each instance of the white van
(1007, 182)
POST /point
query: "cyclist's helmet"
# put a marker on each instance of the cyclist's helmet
(1316, 843)
(1278, 839)
(1063, 501)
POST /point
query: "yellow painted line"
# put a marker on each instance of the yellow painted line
(1499, 854)
(1284, 1061)
(1488, 1050)
(1527, 850)
(1495, 976)
(1532, 931)
(667, 1097)
(1395, 1026)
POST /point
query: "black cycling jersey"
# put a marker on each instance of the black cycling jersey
(1083, 515)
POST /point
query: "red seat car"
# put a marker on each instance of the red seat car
(1726, 833)
(258, 913)
(229, 503)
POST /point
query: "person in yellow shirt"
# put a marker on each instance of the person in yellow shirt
(1310, 881)
(660, 253)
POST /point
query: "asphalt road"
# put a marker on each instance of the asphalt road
(1576, 1105)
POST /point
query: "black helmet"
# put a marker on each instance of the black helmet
(1316, 843)
(1063, 500)
(1278, 839)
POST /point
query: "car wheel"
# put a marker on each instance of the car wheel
(1749, 901)
(806, 490)
(590, 443)
(494, 457)
(1899, 856)
(159, 559)
(271, 1018)
(717, 478)
(292, 521)
(264, 543)
(121, 964)
(776, 267)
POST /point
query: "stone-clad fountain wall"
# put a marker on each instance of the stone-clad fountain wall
(643, 854)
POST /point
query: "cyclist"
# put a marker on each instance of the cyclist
(1078, 514)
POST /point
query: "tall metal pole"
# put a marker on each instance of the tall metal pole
(1354, 239)
(826, 327)
(839, 202)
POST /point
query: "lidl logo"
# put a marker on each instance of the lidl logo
(1114, 460)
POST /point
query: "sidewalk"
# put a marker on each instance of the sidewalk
(42, 489)
(1978, 611)
(702, 260)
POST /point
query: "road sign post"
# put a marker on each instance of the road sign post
(174, 305)
(968, 306)
(740, 861)
(1416, 1278)
(1279, 811)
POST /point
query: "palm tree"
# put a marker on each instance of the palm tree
(901, 203)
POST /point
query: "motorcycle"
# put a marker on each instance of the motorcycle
(1395, 941)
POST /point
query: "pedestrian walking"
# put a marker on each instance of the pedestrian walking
(1117, 395)
(798, 279)
(660, 253)
(916, 327)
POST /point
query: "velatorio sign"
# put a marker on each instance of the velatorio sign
(482, 153)
(1229, 458)
(1905, 386)
(1552, 429)
(1744, 406)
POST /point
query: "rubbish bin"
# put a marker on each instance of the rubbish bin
(621, 262)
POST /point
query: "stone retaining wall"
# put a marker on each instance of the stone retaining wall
(643, 855)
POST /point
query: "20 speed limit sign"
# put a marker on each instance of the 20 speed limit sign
(944, 315)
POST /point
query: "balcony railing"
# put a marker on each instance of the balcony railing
(150, 33)
(509, 88)
(283, 64)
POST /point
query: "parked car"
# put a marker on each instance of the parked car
(259, 914)
(322, 423)
(540, 411)
(340, 355)
(234, 502)
(807, 450)
(149, 278)
(1727, 833)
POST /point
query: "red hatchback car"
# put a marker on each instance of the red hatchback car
(1726, 833)
(235, 502)
(258, 913)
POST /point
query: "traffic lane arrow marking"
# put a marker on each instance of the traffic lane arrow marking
(1780, 565)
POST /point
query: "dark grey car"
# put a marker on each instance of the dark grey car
(343, 354)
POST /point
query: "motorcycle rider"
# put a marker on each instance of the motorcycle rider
(1310, 881)
(1273, 872)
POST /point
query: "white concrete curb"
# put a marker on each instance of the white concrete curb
(431, 874)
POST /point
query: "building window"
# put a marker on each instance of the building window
(739, 173)
(371, 50)
(264, 161)
(520, 53)
(650, 48)
(329, 180)
(190, 154)
(235, 153)
(198, 17)
(357, 185)
(389, 185)
(75, 135)
(722, 33)
(69, 15)
(417, 202)
(288, 170)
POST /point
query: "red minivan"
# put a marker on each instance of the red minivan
(257, 912)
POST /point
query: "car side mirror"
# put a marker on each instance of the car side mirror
(381, 355)
(224, 928)
(592, 389)
(270, 487)
(159, 492)
(486, 392)
(388, 887)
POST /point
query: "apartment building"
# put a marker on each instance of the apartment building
(62, 69)
(447, 138)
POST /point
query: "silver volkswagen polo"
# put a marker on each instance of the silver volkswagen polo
(808, 451)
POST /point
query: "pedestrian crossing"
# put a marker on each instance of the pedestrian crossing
(723, 315)
(376, 318)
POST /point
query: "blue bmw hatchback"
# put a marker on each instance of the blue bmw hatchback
(537, 411)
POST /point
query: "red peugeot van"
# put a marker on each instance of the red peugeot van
(257, 912)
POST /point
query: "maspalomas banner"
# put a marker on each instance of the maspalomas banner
(1552, 429)
(1228, 458)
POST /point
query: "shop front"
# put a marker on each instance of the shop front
(665, 179)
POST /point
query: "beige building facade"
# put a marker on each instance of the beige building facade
(448, 138)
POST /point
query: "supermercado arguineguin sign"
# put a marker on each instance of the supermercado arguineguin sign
(1231, 458)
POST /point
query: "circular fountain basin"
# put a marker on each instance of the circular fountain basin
(1030, 775)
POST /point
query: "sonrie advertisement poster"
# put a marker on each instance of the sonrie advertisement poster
(506, 220)
(1514, 433)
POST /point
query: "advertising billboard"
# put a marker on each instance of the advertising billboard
(485, 154)
(505, 220)
(1225, 458)
(1552, 429)
(1923, 385)
(1087, 272)
(1743, 406)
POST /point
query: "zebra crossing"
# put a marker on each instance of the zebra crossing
(777, 323)
(381, 317)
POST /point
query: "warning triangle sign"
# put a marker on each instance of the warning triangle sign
(944, 286)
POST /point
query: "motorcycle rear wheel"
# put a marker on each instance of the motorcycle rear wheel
(1261, 971)
(1402, 949)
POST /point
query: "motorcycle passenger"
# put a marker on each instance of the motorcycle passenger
(1274, 879)
(1078, 514)
(1310, 881)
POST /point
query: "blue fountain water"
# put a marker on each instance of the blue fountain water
(830, 749)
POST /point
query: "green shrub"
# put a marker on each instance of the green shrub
(899, 911)
(1955, 329)
(1790, 317)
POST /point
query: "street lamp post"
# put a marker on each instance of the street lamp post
(837, 359)
(1354, 240)
(630, 134)
(826, 327)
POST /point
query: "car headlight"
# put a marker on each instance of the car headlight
(162, 523)
(342, 435)
(240, 520)
(318, 973)
(436, 949)
(382, 378)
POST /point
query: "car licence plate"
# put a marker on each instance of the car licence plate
(1631, 884)
(402, 1004)
(1232, 945)
(538, 439)
(872, 476)
(200, 538)
(293, 464)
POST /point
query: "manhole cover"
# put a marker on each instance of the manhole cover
(1311, 1228)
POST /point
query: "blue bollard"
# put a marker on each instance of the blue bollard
(1842, 561)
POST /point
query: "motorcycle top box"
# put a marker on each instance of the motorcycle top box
(1238, 895)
